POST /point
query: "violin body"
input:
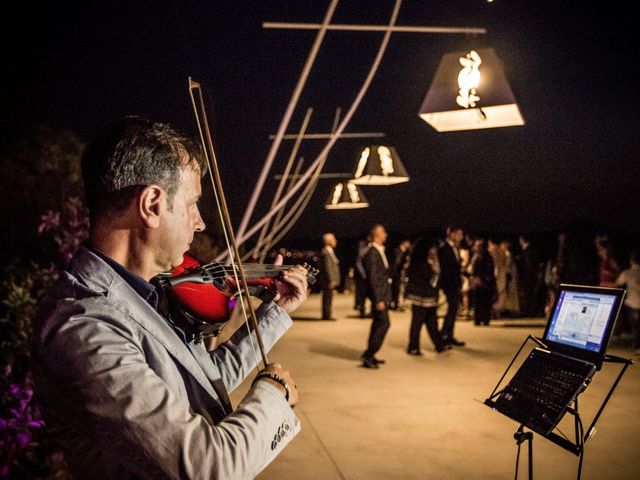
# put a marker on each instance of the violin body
(207, 291)
(206, 301)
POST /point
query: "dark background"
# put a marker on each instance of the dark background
(80, 65)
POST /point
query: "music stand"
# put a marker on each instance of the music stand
(581, 437)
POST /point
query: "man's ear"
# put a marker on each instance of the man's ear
(150, 204)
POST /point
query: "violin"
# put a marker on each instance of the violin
(206, 292)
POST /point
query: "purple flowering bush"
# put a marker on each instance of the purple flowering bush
(68, 232)
(26, 450)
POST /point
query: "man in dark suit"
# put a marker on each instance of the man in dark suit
(360, 277)
(530, 276)
(376, 267)
(329, 273)
(450, 280)
(400, 255)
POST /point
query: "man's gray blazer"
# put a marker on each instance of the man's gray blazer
(127, 398)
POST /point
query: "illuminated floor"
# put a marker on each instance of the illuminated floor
(423, 417)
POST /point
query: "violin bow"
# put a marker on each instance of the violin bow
(221, 203)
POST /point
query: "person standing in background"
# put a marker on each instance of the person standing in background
(530, 274)
(360, 277)
(329, 273)
(376, 267)
(451, 281)
(422, 293)
(630, 280)
(400, 255)
(508, 303)
(483, 282)
(465, 265)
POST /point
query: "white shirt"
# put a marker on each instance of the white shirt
(380, 249)
(630, 280)
(332, 253)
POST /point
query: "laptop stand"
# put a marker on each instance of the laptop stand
(576, 447)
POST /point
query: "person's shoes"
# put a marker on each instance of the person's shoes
(414, 351)
(369, 362)
(379, 361)
(444, 348)
(455, 342)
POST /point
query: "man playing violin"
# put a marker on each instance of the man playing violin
(127, 393)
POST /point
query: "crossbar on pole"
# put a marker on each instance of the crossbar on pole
(322, 136)
(372, 28)
(322, 175)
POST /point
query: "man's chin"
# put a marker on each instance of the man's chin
(177, 262)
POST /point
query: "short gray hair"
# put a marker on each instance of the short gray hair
(131, 154)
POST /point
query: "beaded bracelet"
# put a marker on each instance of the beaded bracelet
(276, 378)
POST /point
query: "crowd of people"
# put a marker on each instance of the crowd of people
(460, 275)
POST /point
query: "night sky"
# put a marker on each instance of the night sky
(569, 64)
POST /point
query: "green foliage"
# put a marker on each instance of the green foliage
(21, 289)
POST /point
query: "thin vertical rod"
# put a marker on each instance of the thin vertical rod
(216, 182)
(287, 117)
(287, 170)
(345, 121)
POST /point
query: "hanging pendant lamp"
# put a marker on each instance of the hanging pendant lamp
(469, 91)
(346, 196)
(379, 165)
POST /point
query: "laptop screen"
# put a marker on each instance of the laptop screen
(582, 319)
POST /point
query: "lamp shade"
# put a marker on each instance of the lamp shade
(469, 91)
(346, 196)
(379, 165)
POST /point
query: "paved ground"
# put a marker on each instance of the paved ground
(424, 417)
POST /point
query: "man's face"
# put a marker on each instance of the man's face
(380, 235)
(457, 236)
(179, 223)
(331, 241)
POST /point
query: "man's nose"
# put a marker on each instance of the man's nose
(199, 223)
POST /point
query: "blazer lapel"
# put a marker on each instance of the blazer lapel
(101, 277)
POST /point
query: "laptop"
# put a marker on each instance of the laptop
(581, 321)
(550, 379)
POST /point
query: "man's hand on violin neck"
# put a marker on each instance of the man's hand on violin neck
(292, 288)
(283, 374)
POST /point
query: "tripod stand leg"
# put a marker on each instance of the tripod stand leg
(520, 437)
(530, 440)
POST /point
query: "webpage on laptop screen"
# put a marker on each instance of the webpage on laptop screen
(580, 319)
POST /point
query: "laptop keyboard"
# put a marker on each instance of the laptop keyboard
(542, 389)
